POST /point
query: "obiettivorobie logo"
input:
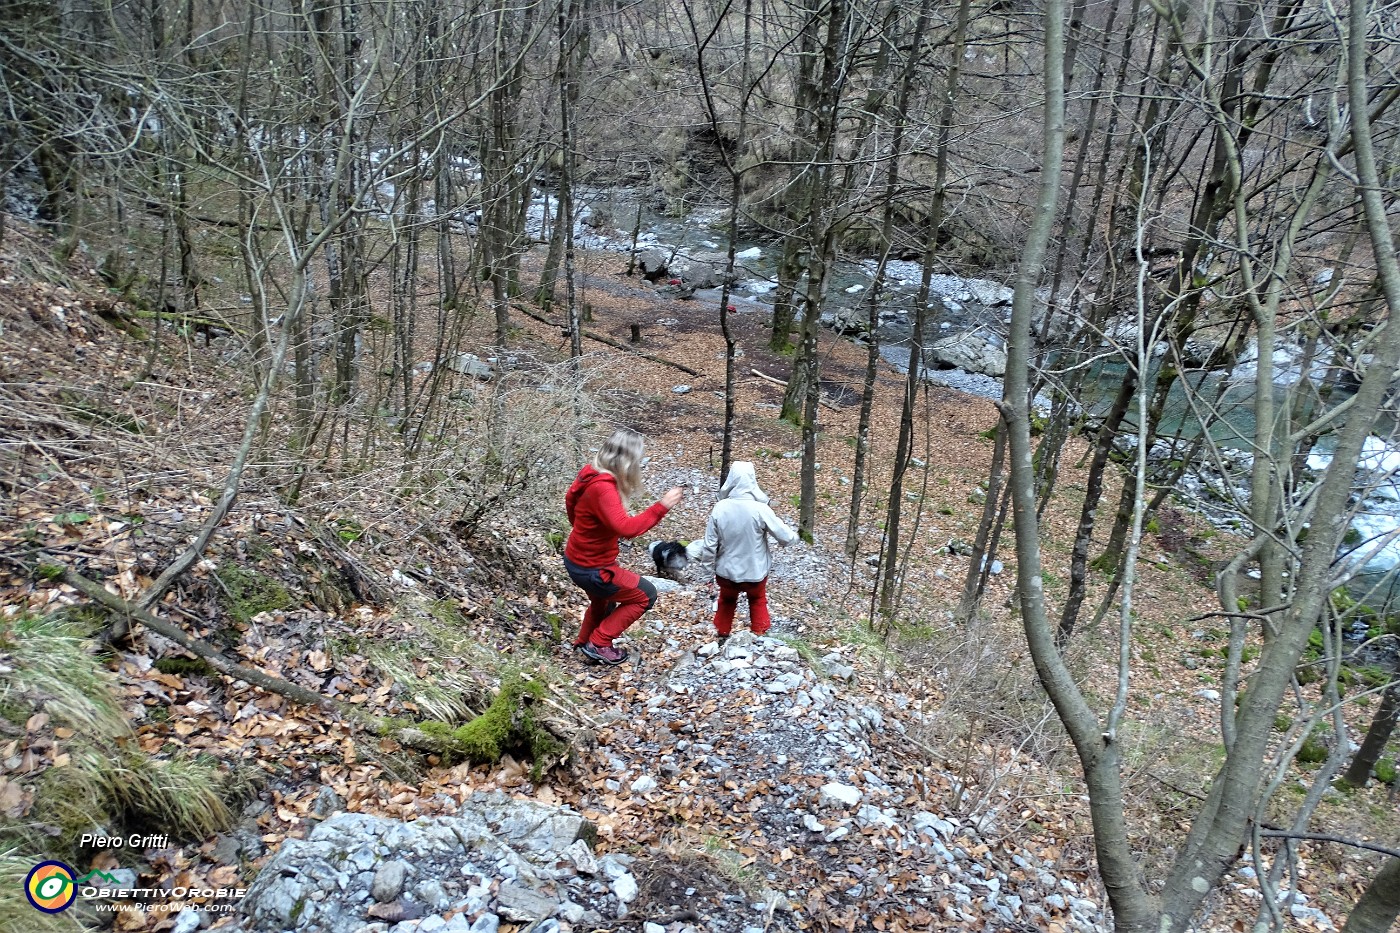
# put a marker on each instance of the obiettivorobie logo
(53, 886)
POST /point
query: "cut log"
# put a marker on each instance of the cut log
(783, 385)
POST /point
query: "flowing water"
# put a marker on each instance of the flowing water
(1223, 400)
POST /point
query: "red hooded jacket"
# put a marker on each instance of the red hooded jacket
(599, 518)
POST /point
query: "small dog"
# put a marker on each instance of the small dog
(670, 558)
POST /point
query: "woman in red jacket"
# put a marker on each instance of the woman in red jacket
(596, 503)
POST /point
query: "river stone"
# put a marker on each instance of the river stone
(651, 264)
(840, 671)
(226, 851)
(187, 921)
(585, 862)
(524, 905)
(327, 802)
(969, 352)
(625, 887)
(842, 794)
(785, 683)
(388, 881)
(850, 322)
(433, 894)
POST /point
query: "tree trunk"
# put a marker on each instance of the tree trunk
(872, 353)
(784, 307)
(1093, 492)
(1218, 831)
(992, 508)
(1382, 725)
(1380, 904)
(570, 39)
(889, 551)
(1098, 753)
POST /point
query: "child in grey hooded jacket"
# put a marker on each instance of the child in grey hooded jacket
(735, 548)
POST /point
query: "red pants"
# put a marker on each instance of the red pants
(617, 597)
(729, 601)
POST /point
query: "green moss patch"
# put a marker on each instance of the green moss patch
(181, 667)
(248, 593)
(510, 725)
(1313, 751)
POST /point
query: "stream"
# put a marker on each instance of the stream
(980, 308)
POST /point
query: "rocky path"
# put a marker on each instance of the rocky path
(795, 754)
(765, 785)
(774, 783)
(829, 806)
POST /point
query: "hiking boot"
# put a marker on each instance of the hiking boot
(603, 654)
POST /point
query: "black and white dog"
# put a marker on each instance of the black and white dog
(670, 558)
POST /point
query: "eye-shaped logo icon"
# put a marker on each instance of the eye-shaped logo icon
(50, 887)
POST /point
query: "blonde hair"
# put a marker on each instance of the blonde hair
(621, 455)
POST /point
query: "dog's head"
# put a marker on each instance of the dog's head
(669, 556)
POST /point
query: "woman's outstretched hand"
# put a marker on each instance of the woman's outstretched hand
(673, 497)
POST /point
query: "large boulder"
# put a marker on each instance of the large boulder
(970, 352)
(849, 322)
(700, 270)
(652, 265)
(497, 857)
(469, 364)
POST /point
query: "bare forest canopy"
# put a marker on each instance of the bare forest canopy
(1197, 200)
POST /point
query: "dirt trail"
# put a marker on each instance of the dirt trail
(794, 755)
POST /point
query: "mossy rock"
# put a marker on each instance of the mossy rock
(1384, 771)
(1313, 752)
(249, 593)
(1105, 563)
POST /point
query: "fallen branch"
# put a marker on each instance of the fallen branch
(132, 613)
(600, 338)
(195, 320)
(1324, 837)
(234, 481)
(409, 736)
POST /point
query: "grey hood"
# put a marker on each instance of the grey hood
(742, 483)
(735, 545)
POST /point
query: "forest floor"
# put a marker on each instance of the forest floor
(833, 776)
